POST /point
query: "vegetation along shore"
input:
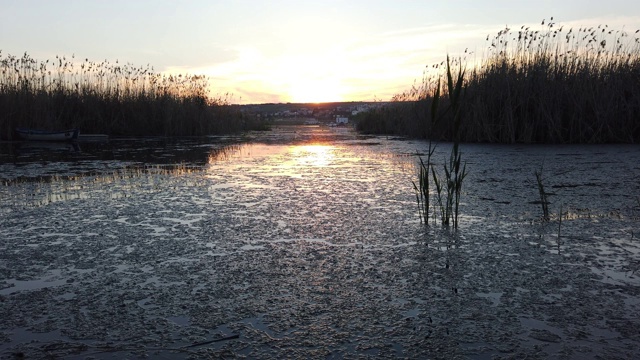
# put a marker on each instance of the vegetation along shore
(110, 98)
(552, 85)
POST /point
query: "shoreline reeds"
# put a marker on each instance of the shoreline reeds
(552, 85)
(111, 98)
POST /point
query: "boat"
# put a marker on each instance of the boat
(44, 135)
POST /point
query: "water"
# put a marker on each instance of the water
(306, 242)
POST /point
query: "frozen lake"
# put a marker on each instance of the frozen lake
(305, 242)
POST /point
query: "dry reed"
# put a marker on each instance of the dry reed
(112, 98)
(549, 85)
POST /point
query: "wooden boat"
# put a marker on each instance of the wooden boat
(43, 135)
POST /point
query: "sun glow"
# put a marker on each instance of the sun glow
(313, 155)
(291, 158)
(315, 91)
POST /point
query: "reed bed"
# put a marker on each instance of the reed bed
(550, 85)
(111, 98)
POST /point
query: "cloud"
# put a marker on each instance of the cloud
(359, 67)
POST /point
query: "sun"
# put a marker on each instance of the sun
(315, 91)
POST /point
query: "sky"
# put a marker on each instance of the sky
(286, 50)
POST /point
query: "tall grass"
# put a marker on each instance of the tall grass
(112, 98)
(422, 187)
(454, 170)
(547, 85)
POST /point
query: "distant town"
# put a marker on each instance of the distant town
(337, 113)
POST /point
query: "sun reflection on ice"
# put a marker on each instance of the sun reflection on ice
(279, 160)
(313, 155)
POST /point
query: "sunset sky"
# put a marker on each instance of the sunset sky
(286, 50)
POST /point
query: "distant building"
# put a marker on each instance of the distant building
(342, 120)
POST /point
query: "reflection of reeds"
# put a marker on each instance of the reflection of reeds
(118, 183)
(544, 85)
(114, 98)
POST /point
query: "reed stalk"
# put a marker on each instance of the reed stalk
(454, 170)
(559, 222)
(422, 188)
(543, 195)
(439, 198)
